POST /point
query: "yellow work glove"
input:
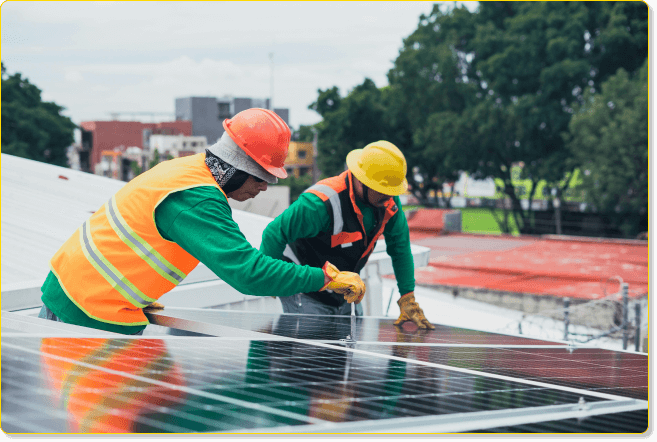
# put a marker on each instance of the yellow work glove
(347, 284)
(153, 307)
(409, 310)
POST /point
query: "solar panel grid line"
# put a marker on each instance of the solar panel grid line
(568, 365)
(446, 345)
(236, 419)
(312, 342)
(24, 426)
(312, 376)
(177, 387)
(505, 362)
(99, 408)
(56, 414)
(562, 360)
(321, 325)
(474, 372)
(467, 422)
(613, 423)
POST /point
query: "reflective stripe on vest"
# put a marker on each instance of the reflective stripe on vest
(334, 199)
(141, 247)
(119, 282)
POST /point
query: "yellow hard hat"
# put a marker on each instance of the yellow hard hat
(380, 166)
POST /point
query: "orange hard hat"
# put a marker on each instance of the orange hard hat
(263, 135)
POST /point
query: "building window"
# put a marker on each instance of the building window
(224, 110)
(301, 154)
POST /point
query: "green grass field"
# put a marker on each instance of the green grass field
(476, 220)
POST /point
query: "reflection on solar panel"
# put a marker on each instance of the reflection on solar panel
(332, 328)
(260, 373)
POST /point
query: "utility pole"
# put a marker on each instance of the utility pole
(556, 202)
(271, 81)
(315, 154)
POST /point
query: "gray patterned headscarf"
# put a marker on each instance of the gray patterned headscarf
(221, 171)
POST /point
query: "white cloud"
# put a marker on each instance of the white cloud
(98, 57)
(73, 76)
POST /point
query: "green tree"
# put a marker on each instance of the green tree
(609, 140)
(506, 78)
(32, 128)
(304, 134)
(427, 96)
(156, 159)
(348, 123)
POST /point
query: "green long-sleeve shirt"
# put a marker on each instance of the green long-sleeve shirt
(307, 217)
(200, 221)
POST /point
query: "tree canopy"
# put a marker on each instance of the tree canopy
(608, 139)
(484, 91)
(32, 128)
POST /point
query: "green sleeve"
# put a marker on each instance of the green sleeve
(398, 246)
(200, 221)
(305, 218)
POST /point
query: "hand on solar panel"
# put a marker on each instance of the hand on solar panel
(409, 310)
(347, 284)
(153, 307)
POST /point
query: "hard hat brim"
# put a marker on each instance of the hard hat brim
(278, 172)
(353, 158)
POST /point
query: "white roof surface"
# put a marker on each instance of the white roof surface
(42, 205)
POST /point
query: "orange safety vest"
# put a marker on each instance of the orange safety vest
(117, 262)
(346, 243)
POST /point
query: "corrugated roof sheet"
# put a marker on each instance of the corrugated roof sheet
(42, 205)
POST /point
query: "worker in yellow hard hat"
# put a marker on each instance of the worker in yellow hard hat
(339, 219)
(156, 229)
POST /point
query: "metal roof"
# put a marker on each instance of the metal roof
(42, 205)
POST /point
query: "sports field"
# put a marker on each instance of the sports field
(477, 220)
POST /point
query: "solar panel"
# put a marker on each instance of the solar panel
(258, 375)
(334, 328)
(196, 384)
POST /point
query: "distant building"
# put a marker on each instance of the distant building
(100, 136)
(177, 145)
(208, 113)
(299, 161)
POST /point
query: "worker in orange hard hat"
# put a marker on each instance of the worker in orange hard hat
(340, 219)
(147, 238)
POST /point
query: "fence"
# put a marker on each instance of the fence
(611, 319)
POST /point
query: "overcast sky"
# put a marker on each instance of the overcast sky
(94, 58)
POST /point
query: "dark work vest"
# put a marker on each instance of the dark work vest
(346, 244)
